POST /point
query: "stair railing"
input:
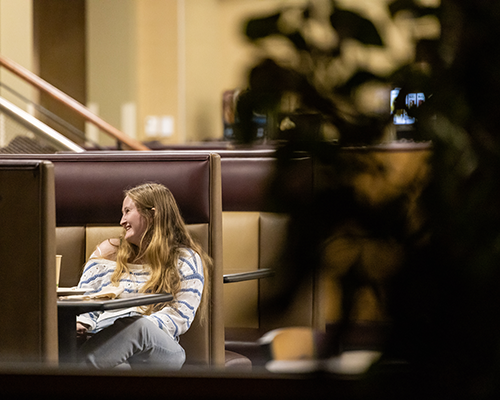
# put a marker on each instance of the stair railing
(68, 101)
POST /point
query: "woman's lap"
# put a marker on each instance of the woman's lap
(133, 339)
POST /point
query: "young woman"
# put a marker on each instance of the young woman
(155, 254)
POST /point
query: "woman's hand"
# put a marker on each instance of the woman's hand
(81, 330)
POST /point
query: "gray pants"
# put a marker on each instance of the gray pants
(134, 340)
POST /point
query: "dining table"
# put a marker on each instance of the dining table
(68, 308)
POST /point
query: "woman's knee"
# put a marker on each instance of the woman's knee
(141, 327)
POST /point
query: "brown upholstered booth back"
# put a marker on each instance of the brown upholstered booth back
(89, 188)
(254, 237)
(249, 179)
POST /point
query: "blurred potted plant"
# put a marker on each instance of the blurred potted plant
(332, 60)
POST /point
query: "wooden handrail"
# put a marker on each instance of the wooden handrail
(62, 97)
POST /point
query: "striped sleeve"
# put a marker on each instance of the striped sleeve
(177, 316)
(95, 276)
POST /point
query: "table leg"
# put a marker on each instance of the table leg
(66, 320)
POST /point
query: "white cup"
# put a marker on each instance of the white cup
(58, 268)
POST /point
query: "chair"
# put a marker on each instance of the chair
(299, 349)
(254, 239)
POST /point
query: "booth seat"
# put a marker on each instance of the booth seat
(255, 233)
(88, 196)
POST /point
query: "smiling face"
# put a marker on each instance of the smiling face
(134, 223)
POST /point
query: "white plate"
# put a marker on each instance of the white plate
(70, 291)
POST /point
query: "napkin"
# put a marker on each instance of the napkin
(109, 293)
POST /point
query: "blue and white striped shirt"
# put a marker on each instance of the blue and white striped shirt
(175, 318)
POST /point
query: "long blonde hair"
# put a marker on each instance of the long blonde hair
(161, 244)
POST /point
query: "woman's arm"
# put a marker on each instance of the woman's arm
(94, 277)
(177, 316)
(107, 250)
